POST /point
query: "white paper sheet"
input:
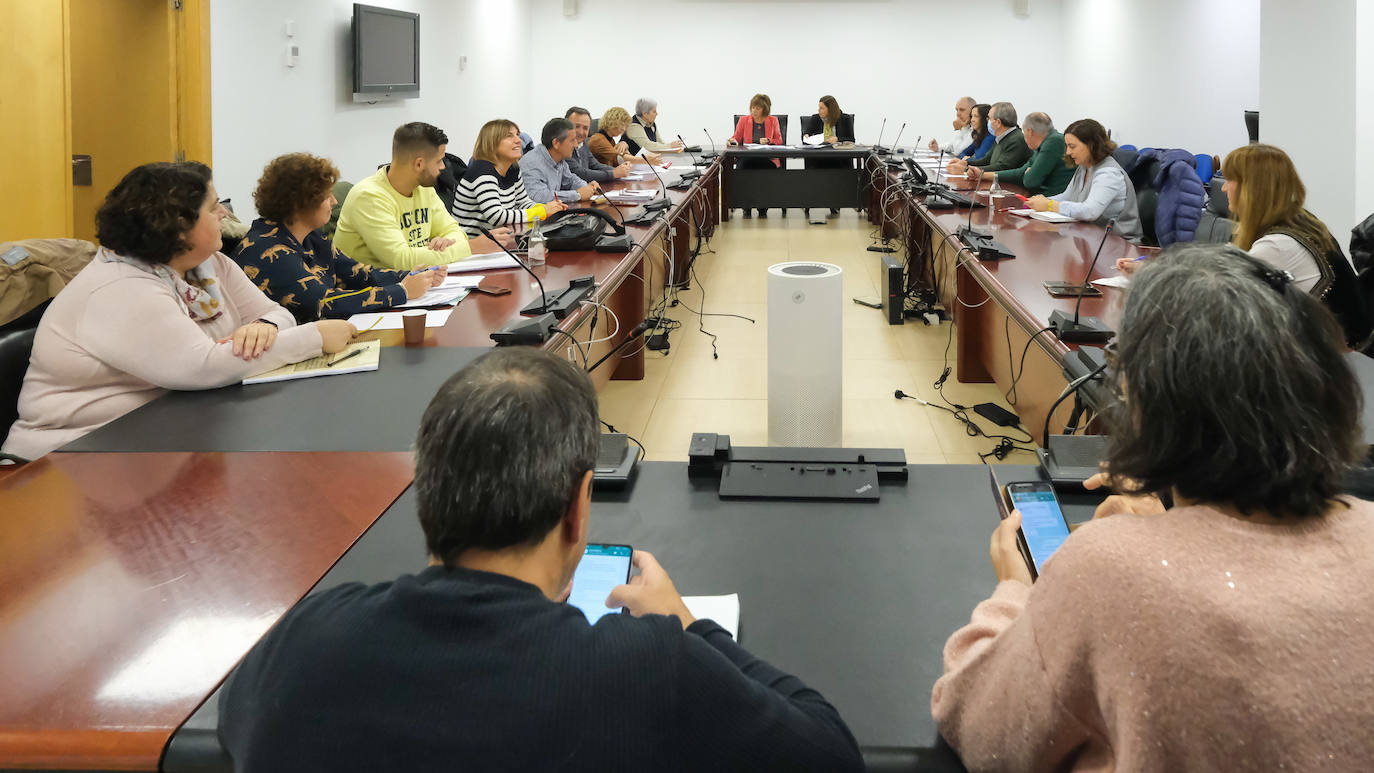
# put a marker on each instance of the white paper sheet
(723, 609)
(1045, 217)
(483, 262)
(437, 296)
(391, 320)
(815, 139)
(1113, 281)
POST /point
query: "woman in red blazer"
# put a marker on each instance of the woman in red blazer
(758, 128)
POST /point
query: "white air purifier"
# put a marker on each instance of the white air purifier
(805, 342)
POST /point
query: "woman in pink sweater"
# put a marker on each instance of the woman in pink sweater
(1230, 631)
(158, 308)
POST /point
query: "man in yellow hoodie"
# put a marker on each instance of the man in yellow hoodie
(395, 220)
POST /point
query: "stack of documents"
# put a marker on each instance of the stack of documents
(722, 609)
(358, 357)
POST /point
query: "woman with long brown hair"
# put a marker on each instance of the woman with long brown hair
(1266, 199)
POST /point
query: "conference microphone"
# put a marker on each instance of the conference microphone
(662, 203)
(899, 138)
(635, 332)
(713, 153)
(878, 146)
(1085, 329)
(692, 175)
(543, 304)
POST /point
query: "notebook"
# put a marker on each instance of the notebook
(368, 357)
(1048, 217)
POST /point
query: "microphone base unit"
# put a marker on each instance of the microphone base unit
(646, 218)
(1071, 459)
(621, 243)
(658, 204)
(882, 150)
(1084, 330)
(561, 304)
(982, 244)
(525, 332)
(692, 175)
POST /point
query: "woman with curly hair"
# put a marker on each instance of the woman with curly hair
(290, 260)
(158, 308)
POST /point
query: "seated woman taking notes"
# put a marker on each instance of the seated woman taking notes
(292, 262)
(1229, 631)
(158, 308)
(491, 194)
(1100, 190)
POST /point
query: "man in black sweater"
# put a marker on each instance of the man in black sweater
(475, 663)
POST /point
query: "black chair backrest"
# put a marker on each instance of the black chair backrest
(812, 124)
(1252, 124)
(596, 124)
(16, 344)
(782, 125)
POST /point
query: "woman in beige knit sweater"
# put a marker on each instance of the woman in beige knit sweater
(1231, 631)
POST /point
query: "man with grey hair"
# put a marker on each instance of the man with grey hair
(963, 129)
(1008, 151)
(1045, 172)
(642, 133)
(545, 170)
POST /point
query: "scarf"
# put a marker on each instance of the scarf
(198, 293)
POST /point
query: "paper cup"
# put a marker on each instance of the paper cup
(413, 322)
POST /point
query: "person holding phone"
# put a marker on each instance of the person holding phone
(477, 659)
(1230, 630)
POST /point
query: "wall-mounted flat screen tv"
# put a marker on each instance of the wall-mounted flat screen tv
(386, 51)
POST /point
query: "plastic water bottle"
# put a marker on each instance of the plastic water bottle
(535, 256)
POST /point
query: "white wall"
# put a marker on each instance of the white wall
(1165, 73)
(1364, 112)
(1307, 70)
(262, 108)
(908, 60)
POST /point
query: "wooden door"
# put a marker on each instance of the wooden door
(35, 154)
(123, 81)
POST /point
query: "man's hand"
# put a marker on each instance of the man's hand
(440, 243)
(623, 170)
(957, 166)
(1007, 560)
(650, 592)
(587, 191)
(934, 146)
(653, 158)
(1119, 504)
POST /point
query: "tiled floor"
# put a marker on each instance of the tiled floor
(688, 391)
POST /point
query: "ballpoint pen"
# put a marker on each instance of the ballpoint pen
(353, 353)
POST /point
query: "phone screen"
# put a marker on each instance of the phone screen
(602, 568)
(1042, 522)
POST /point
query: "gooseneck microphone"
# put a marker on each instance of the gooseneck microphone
(878, 146)
(664, 202)
(1085, 329)
(543, 304)
(713, 152)
(694, 173)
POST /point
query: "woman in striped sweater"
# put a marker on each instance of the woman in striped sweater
(491, 194)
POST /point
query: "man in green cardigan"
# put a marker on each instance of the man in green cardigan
(1008, 151)
(1045, 172)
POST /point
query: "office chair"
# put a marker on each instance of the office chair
(596, 124)
(1252, 125)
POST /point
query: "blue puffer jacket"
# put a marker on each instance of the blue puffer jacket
(1181, 195)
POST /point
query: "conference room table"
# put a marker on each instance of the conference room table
(1000, 305)
(825, 184)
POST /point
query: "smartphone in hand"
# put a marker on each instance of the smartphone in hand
(1043, 528)
(603, 567)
